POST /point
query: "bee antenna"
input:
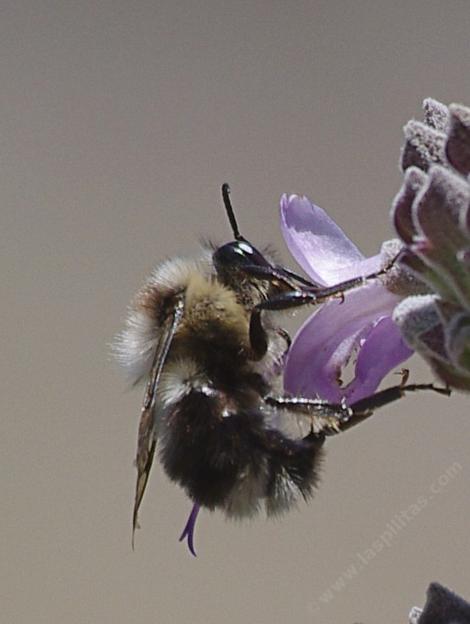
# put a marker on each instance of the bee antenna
(229, 211)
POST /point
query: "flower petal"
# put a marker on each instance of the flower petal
(401, 211)
(327, 340)
(188, 531)
(458, 142)
(437, 213)
(320, 246)
(436, 114)
(457, 333)
(424, 146)
(384, 340)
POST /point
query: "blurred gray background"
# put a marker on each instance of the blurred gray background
(119, 121)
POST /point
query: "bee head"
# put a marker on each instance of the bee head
(238, 254)
(243, 268)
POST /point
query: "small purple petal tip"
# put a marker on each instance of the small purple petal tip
(188, 531)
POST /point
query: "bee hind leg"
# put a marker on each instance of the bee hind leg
(325, 417)
(331, 418)
(364, 408)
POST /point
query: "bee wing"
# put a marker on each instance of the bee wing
(147, 439)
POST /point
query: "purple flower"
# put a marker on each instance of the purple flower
(360, 326)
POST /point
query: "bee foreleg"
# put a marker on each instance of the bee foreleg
(277, 274)
(258, 336)
(310, 294)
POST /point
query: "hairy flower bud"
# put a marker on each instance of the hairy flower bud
(431, 214)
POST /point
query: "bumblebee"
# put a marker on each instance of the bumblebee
(204, 333)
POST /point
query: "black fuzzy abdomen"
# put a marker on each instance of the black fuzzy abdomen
(210, 455)
(205, 451)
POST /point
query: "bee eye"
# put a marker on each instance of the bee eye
(239, 253)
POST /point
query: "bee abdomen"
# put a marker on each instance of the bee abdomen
(207, 449)
(293, 470)
(229, 459)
